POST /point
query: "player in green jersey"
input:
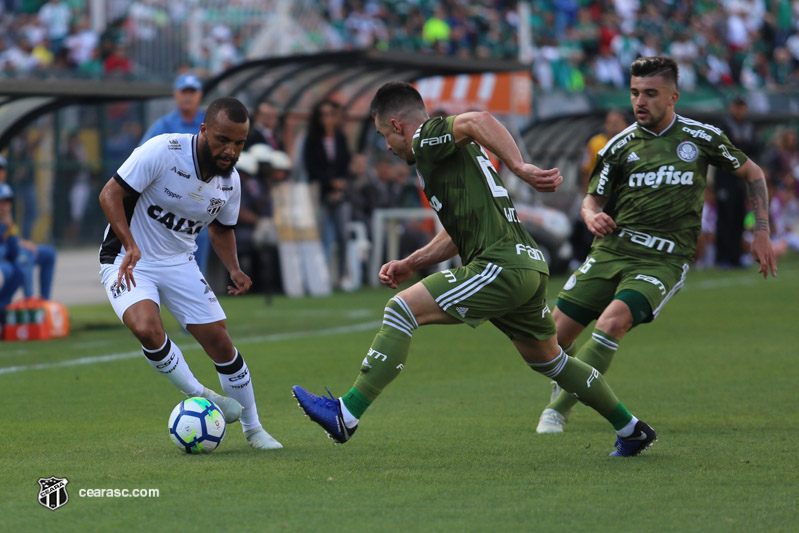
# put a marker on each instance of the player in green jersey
(639, 258)
(503, 279)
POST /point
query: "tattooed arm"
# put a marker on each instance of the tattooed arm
(758, 197)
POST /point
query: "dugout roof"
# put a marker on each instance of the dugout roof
(293, 83)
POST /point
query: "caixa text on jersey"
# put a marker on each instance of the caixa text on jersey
(171, 220)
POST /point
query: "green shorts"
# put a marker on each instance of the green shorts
(605, 274)
(513, 299)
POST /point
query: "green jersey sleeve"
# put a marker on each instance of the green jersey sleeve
(607, 171)
(433, 141)
(725, 155)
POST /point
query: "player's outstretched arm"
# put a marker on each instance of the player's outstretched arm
(111, 200)
(758, 197)
(223, 241)
(482, 127)
(439, 249)
(599, 223)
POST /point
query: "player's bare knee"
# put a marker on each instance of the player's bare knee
(616, 324)
(150, 333)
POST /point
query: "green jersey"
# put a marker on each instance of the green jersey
(471, 201)
(659, 182)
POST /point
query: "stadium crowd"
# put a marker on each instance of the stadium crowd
(575, 43)
(580, 43)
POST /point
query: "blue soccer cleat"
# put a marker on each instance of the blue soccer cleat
(642, 438)
(324, 411)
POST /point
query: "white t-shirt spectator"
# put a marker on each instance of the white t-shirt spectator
(55, 15)
(81, 46)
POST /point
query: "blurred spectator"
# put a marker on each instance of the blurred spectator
(783, 159)
(29, 254)
(82, 42)
(22, 173)
(55, 15)
(262, 128)
(705, 255)
(730, 190)
(436, 29)
(223, 50)
(785, 217)
(256, 207)
(118, 62)
(75, 166)
(363, 190)
(608, 70)
(187, 116)
(31, 257)
(327, 160)
(11, 275)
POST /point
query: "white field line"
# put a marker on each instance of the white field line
(337, 330)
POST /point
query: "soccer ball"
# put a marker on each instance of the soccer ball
(197, 425)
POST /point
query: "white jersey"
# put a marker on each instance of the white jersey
(168, 202)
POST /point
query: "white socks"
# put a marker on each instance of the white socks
(169, 361)
(627, 430)
(235, 379)
(349, 420)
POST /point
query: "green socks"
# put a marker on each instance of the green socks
(587, 384)
(597, 352)
(385, 358)
(355, 402)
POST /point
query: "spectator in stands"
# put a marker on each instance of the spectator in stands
(22, 172)
(76, 173)
(730, 190)
(187, 115)
(327, 160)
(11, 275)
(783, 159)
(29, 254)
(785, 216)
(223, 50)
(256, 205)
(705, 255)
(117, 62)
(262, 130)
(82, 42)
(55, 15)
(33, 256)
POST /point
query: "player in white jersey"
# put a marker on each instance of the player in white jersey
(170, 188)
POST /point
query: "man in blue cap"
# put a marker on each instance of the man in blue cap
(185, 118)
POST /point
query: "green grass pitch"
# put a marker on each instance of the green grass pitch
(450, 446)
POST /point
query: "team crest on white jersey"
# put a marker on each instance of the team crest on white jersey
(216, 206)
(687, 151)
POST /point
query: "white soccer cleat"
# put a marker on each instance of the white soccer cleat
(230, 407)
(551, 421)
(259, 439)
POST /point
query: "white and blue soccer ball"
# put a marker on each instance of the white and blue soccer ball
(197, 425)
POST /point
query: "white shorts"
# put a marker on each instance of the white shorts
(184, 291)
